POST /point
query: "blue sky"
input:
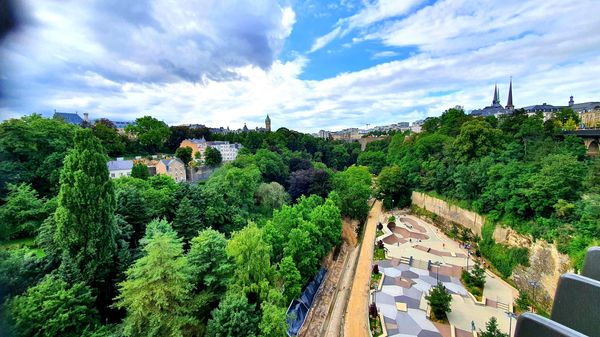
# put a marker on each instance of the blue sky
(309, 64)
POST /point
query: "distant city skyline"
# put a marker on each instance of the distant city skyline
(309, 65)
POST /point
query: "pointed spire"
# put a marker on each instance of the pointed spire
(509, 103)
(495, 94)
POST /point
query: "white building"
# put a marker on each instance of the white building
(119, 168)
(228, 151)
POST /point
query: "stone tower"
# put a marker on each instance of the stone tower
(268, 123)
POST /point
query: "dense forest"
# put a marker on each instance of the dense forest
(518, 170)
(84, 255)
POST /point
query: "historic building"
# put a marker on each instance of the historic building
(268, 123)
(496, 108)
(228, 151)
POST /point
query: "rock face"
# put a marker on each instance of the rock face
(546, 264)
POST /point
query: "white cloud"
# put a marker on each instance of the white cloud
(385, 54)
(324, 40)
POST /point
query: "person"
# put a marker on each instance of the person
(472, 325)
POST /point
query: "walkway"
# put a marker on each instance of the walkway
(401, 298)
(356, 322)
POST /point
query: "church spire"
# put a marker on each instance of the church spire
(509, 103)
(495, 94)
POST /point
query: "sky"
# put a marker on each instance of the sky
(309, 64)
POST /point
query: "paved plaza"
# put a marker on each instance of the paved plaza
(401, 296)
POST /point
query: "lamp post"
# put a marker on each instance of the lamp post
(468, 255)
(510, 315)
(534, 285)
(437, 270)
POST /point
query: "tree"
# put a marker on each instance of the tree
(492, 330)
(391, 185)
(522, 302)
(374, 160)
(23, 213)
(185, 154)
(478, 275)
(354, 188)
(234, 317)
(439, 300)
(212, 157)
(211, 267)
(140, 170)
(53, 308)
(158, 286)
(290, 278)
(271, 166)
(132, 207)
(151, 132)
(271, 195)
(187, 220)
(309, 181)
(85, 219)
(273, 322)
(19, 270)
(566, 114)
(107, 133)
(32, 150)
(476, 139)
(251, 255)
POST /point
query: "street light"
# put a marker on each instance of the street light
(468, 255)
(437, 264)
(533, 284)
(510, 315)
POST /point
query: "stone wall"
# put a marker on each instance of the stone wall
(546, 264)
(448, 212)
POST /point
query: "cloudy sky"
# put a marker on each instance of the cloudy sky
(309, 64)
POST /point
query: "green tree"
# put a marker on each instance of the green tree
(566, 114)
(211, 267)
(23, 212)
(273, 322)
(522, 302)
(234, 317)
(290, 278)
(133, 208)
(476, 139)
(212, 157)
(439, 300)
(85, 219)
(158, 287)
(558, 178)
(251, 255)
(53, 308)
(374, 160)
(391, 185)
(185, 154)
(187, 220)
(354, 188)
(478, 275)
(271, 196)
(492, 330)
(110, 139)
(32, 150)
(140, 170)
(150, 132)
(271, 166)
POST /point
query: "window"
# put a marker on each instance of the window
(112, 175)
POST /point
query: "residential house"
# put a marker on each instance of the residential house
(228, 151)
(173, 167)
(119, 168)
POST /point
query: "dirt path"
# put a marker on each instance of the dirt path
(356, 319)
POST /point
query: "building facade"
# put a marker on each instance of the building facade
(590, 119)
(228, 150)
(119, 168)
(173, 167)
(268, 124)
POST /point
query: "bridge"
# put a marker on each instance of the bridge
(366, 140)
(591, 139)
